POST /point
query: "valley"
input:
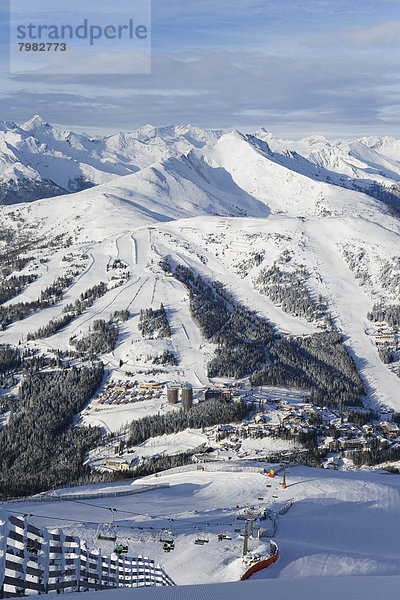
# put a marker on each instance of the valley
(202, 301)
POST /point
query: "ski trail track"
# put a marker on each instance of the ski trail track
(349, 306)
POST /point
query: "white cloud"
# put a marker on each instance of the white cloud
(341, 81)
(224, 89)
(385, 33)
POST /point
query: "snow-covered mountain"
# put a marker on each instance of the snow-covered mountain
(242, 245)
(37, 160)
(235, 208)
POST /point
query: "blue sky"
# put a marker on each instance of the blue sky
(294, 67)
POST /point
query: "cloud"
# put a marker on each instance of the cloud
(224, 89)
(385, 33)
(292, 67)
(79, 62)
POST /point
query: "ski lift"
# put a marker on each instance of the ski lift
(198, 541)
(224, 536)
(201, 538)
(166, 536)
(107, 531)
(121, 549)
(168, 546)
(167, 540)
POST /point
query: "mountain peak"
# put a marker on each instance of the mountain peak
(36, 122)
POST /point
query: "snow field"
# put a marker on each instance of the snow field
(341, 524)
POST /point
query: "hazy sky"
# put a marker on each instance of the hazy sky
(295, 67)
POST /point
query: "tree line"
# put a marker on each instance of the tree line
(13, 286)
(155, 464)
(166, 358)
(49, 296)
(71, 311)
(242, 336)
(102, 338)
(319, 364)
(288, 289)
(208, 413)
(389, 314)
(39, 448)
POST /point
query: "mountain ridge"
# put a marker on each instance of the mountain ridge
(54, 162)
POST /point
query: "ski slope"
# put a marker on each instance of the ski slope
(329, 588)
(343, 526)
(215, 247)
(211, 201)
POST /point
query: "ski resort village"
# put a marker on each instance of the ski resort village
(199, 364)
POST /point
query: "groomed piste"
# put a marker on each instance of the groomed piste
(342, 527)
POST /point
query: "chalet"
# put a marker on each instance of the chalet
(368, 429)
(389, 428)
(334, 446)
(117, 464)
(217, 394)
(292, 419)
(260, 419)
(354, 444)
(292, 429)
(226, 428)
(387, 338)
(204, 458)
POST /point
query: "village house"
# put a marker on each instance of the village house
(117, 464)
(292, 419)
(351, 445)
(389, 428)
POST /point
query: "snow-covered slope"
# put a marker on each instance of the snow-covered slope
(37, 160)
(145, 216)
(328, 588)
(386, 146)
(37, 153)
(285, 182)
(349, 163)
(241, 210)
(230, 206)
(340, 525)
(237, 209)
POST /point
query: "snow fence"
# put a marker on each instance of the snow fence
(53, 497)
(262, 564)
(211, 467)
(33, 561)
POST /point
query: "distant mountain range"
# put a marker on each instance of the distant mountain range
(39, 161)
